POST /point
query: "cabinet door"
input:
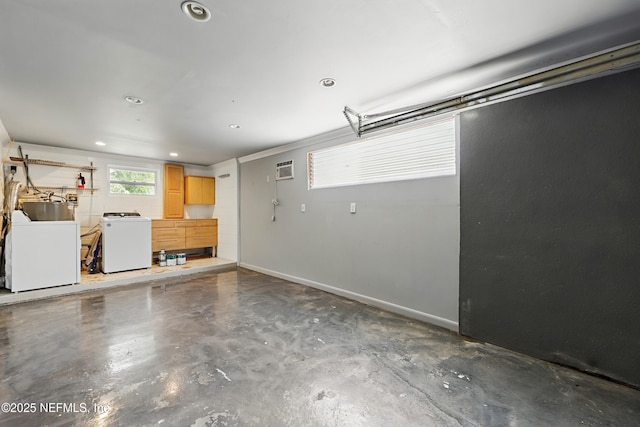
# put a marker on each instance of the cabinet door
(173, 205)
(173, 191)
(173, 177)
(208, 191)
(193, 190)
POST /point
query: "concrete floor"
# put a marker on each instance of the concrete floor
(90, 282)
(238, 348)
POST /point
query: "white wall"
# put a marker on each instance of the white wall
(92, 206)
(400, 251)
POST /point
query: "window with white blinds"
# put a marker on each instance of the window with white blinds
(423, 152)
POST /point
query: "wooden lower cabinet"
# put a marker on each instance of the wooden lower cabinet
(179, 234)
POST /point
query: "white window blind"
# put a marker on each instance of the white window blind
(423, 152)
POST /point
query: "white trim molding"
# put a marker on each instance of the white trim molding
(324, 137)
(394, 308)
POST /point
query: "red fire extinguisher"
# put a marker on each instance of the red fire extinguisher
(80, 181)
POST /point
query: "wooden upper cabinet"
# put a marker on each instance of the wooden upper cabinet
(173, 191)
(199, 190)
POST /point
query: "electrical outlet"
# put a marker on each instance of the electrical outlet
(352, 208)
(303, 208)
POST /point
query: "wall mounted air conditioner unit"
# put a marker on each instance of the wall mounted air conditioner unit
(284, 170)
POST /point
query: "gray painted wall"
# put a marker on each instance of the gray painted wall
(550, 225)
(399, 251)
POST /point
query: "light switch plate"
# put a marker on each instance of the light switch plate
(352, 209)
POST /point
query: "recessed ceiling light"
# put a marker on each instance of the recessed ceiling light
(234, 126)
(100, 143)
(134, 100)
(327, 82)
(196, 11)
(173, 154)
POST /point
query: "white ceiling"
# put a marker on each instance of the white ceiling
(66, 65)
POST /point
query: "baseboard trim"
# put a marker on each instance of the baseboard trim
(394, 308)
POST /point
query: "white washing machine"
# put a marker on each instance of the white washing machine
(126, 241)
(41, 254)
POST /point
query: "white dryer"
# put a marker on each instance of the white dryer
(126, 241)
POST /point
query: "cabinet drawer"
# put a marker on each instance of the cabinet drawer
(207, 222)
(167, 244)
(201, 232)
(185, 223)
(200, 242)
(167, 233)
(162, 223)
